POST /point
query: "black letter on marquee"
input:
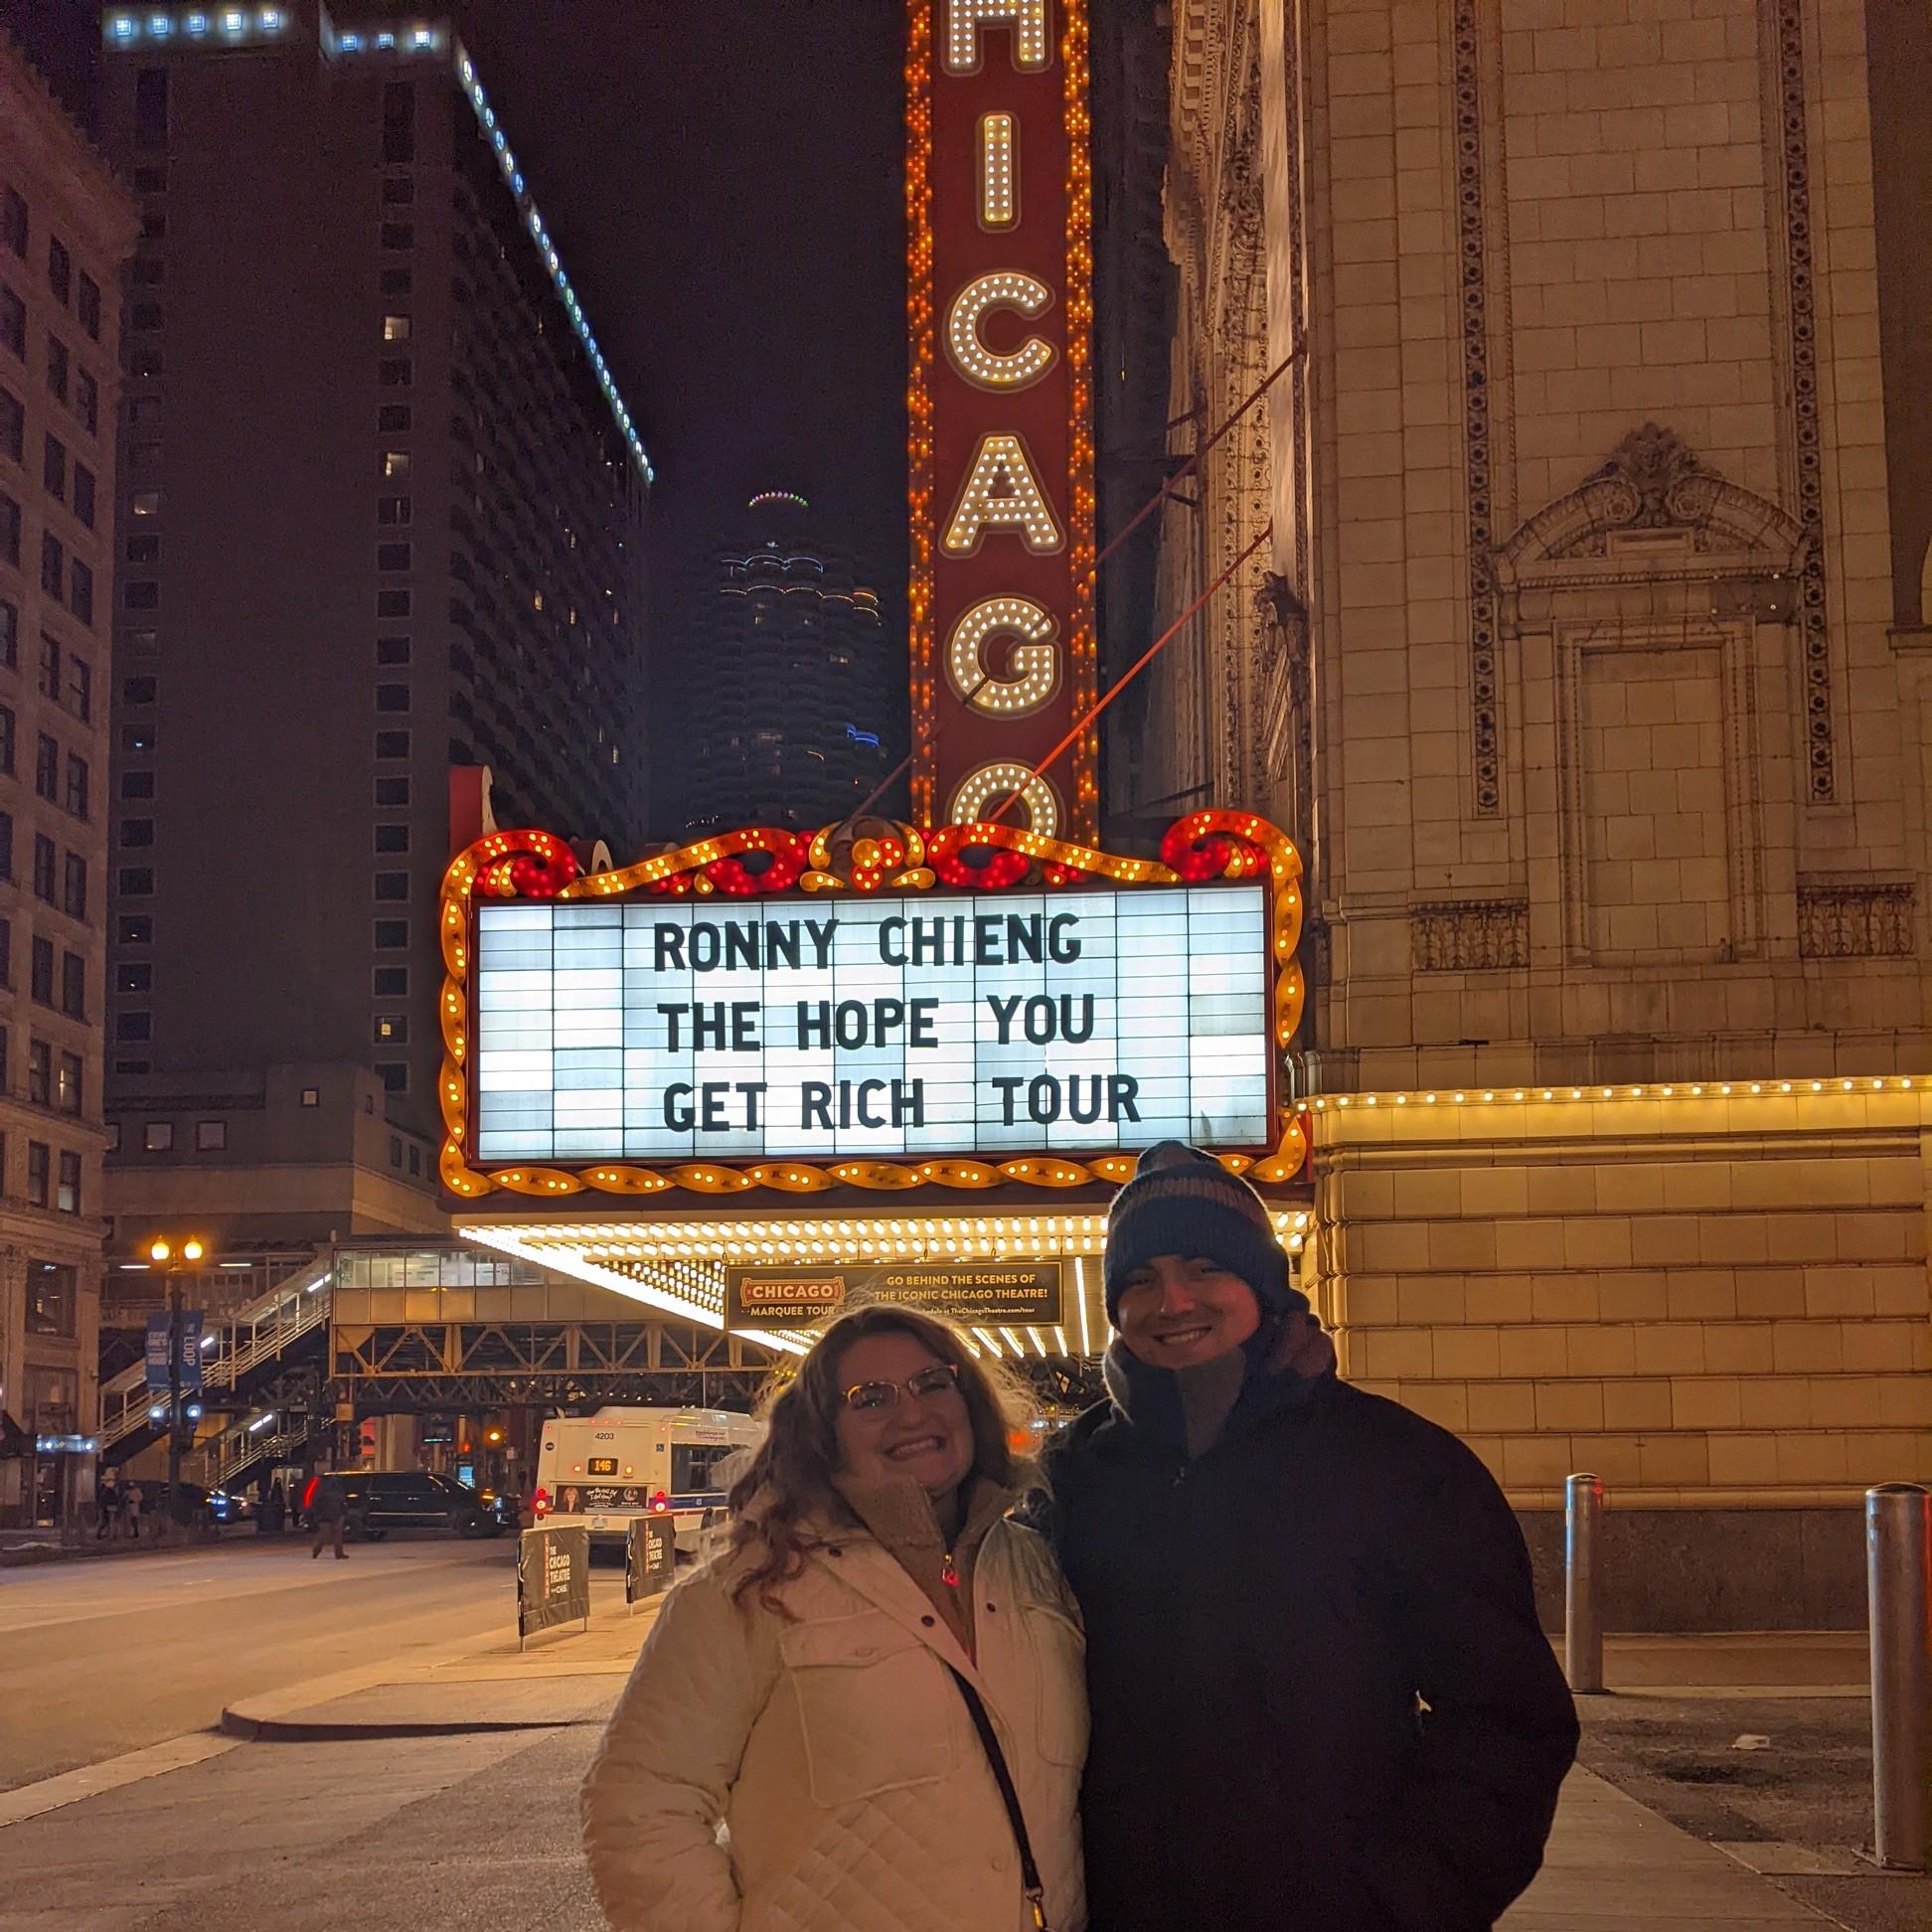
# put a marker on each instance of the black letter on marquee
(822, 931)
(1003, 1011)
(670, 944)
(781, 944)
(1022, 938)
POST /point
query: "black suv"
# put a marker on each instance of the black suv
(415, 1498)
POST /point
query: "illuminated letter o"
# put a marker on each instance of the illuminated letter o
(993, 784)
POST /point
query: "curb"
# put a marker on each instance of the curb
(237, 1723)
(32, 1556)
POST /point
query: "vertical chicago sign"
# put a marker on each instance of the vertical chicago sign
(999, 293)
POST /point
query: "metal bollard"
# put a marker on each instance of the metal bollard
(1582, 1611)
(1898, 1547)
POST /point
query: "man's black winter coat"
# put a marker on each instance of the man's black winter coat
(1265, 1625)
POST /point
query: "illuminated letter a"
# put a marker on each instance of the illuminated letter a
(1000, 493)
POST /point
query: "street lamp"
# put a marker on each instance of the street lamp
(164, 1255)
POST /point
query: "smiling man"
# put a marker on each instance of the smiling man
(1321, 1699)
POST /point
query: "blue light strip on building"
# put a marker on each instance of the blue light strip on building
(244, 26)
(533, 222)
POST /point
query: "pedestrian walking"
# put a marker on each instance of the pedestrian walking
(876, 1687)
(329, 1512)
(131, 1508)
(107, 1507)
(1321, 1699)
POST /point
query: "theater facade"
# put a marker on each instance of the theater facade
(1592, 1192)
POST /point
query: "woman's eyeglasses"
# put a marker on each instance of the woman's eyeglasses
(876, 1398)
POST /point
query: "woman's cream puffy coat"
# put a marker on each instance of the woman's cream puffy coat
(841, 1757)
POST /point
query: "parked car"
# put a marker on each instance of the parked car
(195, 1505)
(379, 1500)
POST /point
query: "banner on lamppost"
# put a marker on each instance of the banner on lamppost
(191, 1350)
(160, 1327)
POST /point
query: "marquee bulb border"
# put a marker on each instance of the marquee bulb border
(867, 856)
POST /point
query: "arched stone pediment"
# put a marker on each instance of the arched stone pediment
(1653, 485)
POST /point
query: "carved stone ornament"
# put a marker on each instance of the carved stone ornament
(1855, 919)
(1472, 251)
(1470, 936)
(1653, 482)
(1660, 484)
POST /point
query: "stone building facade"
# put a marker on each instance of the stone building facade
(1585, 656)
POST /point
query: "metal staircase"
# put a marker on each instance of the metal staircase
(234, 1348)
(240, 1449)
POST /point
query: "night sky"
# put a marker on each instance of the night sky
(724, 183)
(725, 186)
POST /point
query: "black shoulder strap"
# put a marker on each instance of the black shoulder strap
(989, 1738)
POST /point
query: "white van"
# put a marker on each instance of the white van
(601, 1471)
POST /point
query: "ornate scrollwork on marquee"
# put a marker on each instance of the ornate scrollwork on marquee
(868, 855)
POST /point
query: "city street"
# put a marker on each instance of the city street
(342, 1810)
(97, 1658)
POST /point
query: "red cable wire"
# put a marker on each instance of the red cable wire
(1132, 671)
(1159, 496)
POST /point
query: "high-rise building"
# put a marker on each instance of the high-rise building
(788, 716)
(385, 515)
(66, 226)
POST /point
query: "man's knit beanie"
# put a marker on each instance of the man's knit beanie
(1184, 1202)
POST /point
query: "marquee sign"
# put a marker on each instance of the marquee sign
(773, 1008)
(999, 219)
(653, 1032)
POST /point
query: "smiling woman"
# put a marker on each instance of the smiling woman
(936, 1721)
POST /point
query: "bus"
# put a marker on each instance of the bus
(601, 1471)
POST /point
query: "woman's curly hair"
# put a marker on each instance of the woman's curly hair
(789, 1484)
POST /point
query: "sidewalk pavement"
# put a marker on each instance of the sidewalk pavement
(24, 1548)
(1612, 1865)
